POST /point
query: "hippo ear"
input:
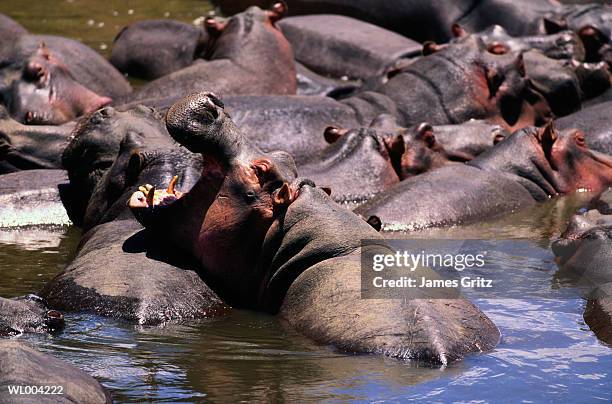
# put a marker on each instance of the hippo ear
(213, 26)
(430, 47)
(333, 133)
(277, 11)
(396, 146)
(327, 190)
(458, 31)
(134, 166)
(553, 25)
(43, 51)
(283, 196)
(375, 222)
(494, 80)
(497, 48)
(547, 136)
(425, 132)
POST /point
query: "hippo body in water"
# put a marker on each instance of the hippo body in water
(27, 147)
(529, 166)
(156, 286)
(21, 365)
(27, 314)
(584, 256)
(306, 247)
(151, 49)
(248, 55)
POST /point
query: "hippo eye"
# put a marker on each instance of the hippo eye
(580, 140)
(250, 196)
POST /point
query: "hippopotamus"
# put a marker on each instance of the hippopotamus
(21, 365)
(584, 254)
(151, 49)
(44, 92)
(560, 45)
(156, 285)
(339, 46)
(590, 21)
(455, 83)
(467, 140)
(300, 251)
(556, 80)
(27, 147)
(596, 123)
(88, 67)
(34, 197)
(355, 167)
(248, 55)
(10, 30)
(423, 21)
(529, 166)
(27, 314)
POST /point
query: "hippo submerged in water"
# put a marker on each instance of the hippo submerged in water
(584, 256)
(299, 250)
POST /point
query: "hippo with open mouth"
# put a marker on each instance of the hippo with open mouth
(269, 241)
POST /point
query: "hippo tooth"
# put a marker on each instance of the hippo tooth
(151, 196)
(172, 184)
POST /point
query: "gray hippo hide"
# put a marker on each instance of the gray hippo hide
(21, 365)
(27, 314)
(27, 147)
(299, 251)
(338, 46)
(151, 49)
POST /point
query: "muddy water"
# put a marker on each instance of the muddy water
(547, 352)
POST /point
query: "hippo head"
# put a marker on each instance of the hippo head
(548, 162)
(227, 37)
(590, 21)
(47, 94)
(95, 144)
(413, 152)
(224, 218)
(577, 166)
(498, 87)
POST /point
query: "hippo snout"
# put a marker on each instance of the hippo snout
(199, 123)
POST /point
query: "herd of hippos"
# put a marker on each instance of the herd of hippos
(263, 149)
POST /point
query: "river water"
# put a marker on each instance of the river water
(547, 353)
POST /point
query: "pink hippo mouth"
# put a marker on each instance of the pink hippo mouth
(147, 197)
(148, 201)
